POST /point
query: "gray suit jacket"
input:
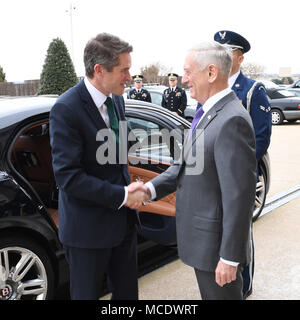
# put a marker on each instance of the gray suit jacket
(214, 207)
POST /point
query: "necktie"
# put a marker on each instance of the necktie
(114, 124)
(196, 119)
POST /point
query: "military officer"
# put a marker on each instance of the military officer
(174, 98)
(253, 96)
(139, 93)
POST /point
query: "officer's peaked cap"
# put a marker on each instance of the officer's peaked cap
(138, 78)
(232, 39)
(172, 76)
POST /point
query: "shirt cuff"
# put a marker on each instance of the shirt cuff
(150, 186)
(125, 198)
(231, 263)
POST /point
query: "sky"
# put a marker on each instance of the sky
(159, 30)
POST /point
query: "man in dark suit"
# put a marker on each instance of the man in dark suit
(139, 93)
(96, 227)
(215, 179)
(174, 98)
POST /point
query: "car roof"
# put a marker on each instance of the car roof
(14, 110)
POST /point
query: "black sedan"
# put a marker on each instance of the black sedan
(32, 260)
(285, 105)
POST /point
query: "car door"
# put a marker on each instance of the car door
(151, 152)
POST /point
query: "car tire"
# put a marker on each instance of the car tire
(26, 272)
(261, 193)
(277, 117)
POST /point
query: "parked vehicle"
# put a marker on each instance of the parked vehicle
(285, 105)
(32, 260)
(295, 85)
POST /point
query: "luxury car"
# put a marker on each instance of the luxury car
(32, 260)
(285, 105)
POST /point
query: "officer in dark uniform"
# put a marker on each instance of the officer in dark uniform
(174, 98)
(253, 96)
(139, 93)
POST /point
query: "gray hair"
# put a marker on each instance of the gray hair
(212, 52)
(104, 49)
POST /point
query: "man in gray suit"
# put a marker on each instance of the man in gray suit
(214, 198)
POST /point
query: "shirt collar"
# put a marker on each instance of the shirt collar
(98, 97)
(209, 103)
(233, 78)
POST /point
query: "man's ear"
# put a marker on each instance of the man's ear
(212, 72)
(98, 69)
(240, 59)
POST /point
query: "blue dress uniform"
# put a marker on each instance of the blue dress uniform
(142, 95)
(174, 98)
(253, 96)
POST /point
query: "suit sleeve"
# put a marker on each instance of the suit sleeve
(67, 150)
(235, 161)
(166, 182)
(260, 112)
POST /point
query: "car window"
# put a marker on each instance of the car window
(156, 98)
(297, 84)
(278, 94)
(150, 141)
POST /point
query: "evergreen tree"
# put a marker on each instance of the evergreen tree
(58, 73)
(2, 75)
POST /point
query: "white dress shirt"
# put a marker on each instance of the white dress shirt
(99, 98)
(209, 103)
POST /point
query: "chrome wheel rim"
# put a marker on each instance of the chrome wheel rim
(260, 195)
(22, 275)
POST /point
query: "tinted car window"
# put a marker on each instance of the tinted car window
(279, 94)
(150, 141)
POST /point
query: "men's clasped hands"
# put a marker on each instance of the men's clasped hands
(138, 194)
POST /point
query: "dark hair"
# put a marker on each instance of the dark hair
(104, 49)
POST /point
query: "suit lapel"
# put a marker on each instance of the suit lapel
(208, 118)
(90, 106)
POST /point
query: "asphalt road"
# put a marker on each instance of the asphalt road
(276, 236)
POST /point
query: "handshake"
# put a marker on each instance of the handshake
(138, 194)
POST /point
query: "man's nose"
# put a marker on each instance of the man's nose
(184, 79)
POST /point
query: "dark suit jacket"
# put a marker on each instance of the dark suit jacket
(89, 193)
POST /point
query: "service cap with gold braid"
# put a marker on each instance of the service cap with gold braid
(138, 78)
(172, 76)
